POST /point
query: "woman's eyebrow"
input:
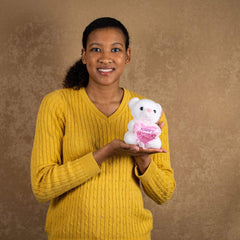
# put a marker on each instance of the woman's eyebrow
(99, 44)
(117, 43)
(91, 44)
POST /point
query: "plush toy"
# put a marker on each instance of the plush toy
(143, 130)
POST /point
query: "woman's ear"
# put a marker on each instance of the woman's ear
(128, 56)
(84, 56)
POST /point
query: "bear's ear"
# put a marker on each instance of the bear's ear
(132, 102)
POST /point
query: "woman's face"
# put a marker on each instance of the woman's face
(105, 56)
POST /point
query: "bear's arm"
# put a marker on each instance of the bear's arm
(131, 125)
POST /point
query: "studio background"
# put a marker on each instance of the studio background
(185, 55)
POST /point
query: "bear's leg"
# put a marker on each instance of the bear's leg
(129, 138)
(156, 143)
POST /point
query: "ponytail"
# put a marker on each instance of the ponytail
(77, 76)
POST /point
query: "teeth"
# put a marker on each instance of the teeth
(105, 70)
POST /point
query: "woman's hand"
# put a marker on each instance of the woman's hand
(141, 156)
(119, 147)
(144, 160)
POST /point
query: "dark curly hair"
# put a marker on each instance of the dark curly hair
(77, 75)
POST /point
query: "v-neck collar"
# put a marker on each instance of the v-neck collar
(92, 106)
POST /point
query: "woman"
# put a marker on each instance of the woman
(79, 160)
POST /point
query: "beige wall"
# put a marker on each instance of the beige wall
(186, 56)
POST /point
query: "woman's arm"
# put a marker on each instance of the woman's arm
(155, 172)
(49, 176)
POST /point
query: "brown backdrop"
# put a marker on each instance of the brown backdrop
(186, 56)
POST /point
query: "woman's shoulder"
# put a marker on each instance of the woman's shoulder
(60, 94)
(56, 98)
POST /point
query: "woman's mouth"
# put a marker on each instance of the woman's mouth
(105, 70)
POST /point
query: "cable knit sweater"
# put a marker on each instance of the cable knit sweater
(87, 201)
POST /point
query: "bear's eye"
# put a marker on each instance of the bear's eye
(154, 111)
(141, 108)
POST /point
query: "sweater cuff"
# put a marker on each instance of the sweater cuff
(91, 169)
(150, 171)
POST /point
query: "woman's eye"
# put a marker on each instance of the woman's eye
(96, 50)
(115, 50)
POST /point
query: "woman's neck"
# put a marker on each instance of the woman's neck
(104, 94)
(106, 98)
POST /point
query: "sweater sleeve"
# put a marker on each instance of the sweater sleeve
(158, 180)
(50, 177)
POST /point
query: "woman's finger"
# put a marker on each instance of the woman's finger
(163, 150)
(153, 150)
(161, 124)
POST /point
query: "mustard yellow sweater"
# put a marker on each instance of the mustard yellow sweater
(87, 201)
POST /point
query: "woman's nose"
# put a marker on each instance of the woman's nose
(105, 58)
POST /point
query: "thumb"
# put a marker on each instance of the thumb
(161, 124)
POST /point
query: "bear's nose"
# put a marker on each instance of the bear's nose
(149, 110)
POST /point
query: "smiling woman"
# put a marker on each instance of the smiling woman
(77, 75)
(79, 159)
(105, 56)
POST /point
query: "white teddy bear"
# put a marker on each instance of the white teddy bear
(143, 130)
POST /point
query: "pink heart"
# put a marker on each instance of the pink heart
(146, 134)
